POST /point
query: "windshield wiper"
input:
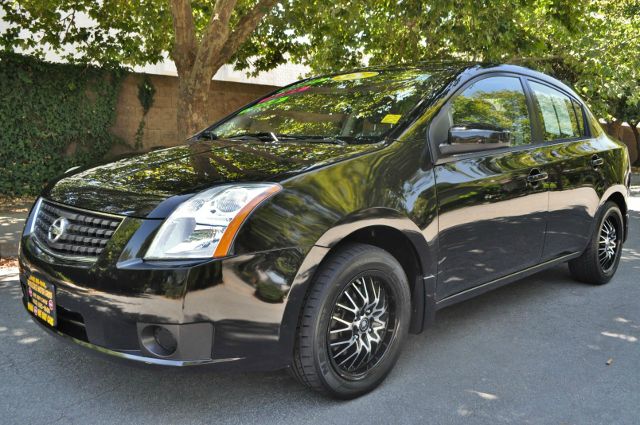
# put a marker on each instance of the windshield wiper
(261, 135)
(309, 138)
(313, 139)
(359, 140)
(278, 137)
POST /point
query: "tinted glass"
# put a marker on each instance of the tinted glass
(579, 116)
(358, 106)
(496, 103)
(559, 118)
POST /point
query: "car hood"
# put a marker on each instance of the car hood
(135, 186)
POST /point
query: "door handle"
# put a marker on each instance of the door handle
(537, 176)
(596, 161)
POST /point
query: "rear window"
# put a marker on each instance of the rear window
(560, 115)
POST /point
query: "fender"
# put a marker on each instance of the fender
(611, 190)
(424, 290)
(623, 191)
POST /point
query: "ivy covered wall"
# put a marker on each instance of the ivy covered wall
(56, 116)
(52, 117)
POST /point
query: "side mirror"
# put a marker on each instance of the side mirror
(474, 137)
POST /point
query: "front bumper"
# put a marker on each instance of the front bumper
(230, 311)
(125, 355)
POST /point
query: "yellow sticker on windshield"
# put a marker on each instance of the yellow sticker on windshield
(391, 119)
(355, 76)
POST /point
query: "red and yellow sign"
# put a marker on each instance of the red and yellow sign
(41, 301)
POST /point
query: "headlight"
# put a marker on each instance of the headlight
(205, 225)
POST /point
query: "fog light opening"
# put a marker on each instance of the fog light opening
(159, 340)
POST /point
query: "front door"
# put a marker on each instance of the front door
(493, 201)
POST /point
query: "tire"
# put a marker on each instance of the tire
(591, 267)
(322, 343)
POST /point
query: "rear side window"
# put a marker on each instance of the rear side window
(495, 103)
(561, 116)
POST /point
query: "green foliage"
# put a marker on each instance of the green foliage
(124, 33)
(146, 91)
(592, 45)
(336, 35)
(601, 61)
(325, 35)
(52, 117)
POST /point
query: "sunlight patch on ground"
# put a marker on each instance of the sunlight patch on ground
(483, 395)
(7, 221)
(634, 203)
(8, 269)
(623, 337)
(463, 411)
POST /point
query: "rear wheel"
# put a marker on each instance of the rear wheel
(354, 321)
(599, 262)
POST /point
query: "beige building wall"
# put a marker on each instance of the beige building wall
(160, 122)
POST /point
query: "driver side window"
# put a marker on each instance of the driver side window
(494, 104)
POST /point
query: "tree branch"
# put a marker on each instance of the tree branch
(214, 38)
(184, 47)
(243, 30)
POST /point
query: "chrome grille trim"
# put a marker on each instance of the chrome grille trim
(85, 237)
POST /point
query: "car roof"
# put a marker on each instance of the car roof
(466, 70)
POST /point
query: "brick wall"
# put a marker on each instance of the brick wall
(160, 127)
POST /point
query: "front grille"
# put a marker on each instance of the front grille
(85, 233)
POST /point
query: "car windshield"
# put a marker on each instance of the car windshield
(358, 107)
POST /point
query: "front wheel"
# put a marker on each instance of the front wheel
(600, 260)
(354, 321)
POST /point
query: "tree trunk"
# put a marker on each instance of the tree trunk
(192, 106)
(613, 128)
(198, 60)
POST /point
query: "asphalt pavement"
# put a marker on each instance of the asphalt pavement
(545, 350)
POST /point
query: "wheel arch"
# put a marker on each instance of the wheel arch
(400, 246)
(382, 227)
(616, 195)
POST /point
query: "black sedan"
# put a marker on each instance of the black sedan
(316, 227)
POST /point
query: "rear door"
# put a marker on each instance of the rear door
(576, 180)
(492, 203)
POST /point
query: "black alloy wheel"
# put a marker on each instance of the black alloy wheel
(355, 319)
(362, 326)
(600, 260)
